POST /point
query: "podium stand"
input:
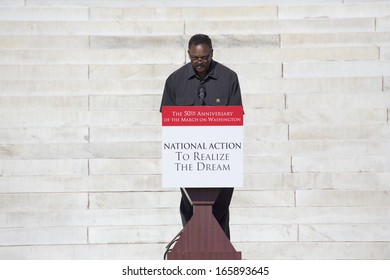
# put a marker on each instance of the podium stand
(202, 237)
(192, 158)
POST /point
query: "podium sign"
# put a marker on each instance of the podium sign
(202, 146)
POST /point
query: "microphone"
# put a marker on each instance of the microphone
(202, 94)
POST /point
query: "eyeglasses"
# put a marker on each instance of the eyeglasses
(202, 58)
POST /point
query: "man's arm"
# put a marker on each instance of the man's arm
(168, 97)
(235, 97)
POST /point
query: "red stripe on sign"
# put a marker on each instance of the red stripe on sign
(202, 116)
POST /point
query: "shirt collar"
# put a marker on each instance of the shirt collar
(211, 74)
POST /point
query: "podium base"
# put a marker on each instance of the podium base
(204, 256)
(203, 238)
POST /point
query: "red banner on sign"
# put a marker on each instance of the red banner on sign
(202, 116)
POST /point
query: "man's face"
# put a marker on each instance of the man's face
(200, 56)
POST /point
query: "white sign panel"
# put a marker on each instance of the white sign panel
(202, 146)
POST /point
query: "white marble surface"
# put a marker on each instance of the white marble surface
(80, 159)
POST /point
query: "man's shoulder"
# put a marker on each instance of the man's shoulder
(219, 67)
(181, 71)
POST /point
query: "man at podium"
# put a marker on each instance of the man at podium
(203, 82)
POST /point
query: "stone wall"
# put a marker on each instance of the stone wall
(80, 159)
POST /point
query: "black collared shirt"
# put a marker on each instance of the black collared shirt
(221, 86)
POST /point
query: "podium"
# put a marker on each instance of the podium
(202, 152)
